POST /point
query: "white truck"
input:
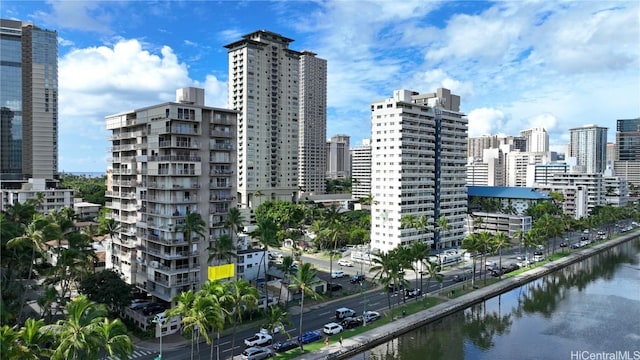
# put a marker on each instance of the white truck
(259, 339)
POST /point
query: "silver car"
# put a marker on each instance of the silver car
(257, 353)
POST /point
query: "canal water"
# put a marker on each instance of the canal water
(589, 310)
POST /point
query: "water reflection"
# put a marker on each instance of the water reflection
(592, 305)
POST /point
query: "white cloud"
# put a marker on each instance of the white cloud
(100, 81)
(84, 15)
(485, 121)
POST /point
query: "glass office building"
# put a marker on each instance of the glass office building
(28, 102)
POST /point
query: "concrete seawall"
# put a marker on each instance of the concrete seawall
(380, 335)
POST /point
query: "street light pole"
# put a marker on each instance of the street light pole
(158, 321)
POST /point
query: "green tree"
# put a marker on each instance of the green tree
(472, 244)
(32, 341)
(277, 319)
(114, 338)
(217, 293)
(36, 233)
(485, 244)
(235, 223)
(184, 307)
(193, 225)
(222, 249)
(420, 253)
(387, 269)
(82, 335)
(287, 264)
(243, 297)
(433, 271)
(9, 336)
(107, 287)
(500, 241)
(442, 224)
(265, 232)
(303, 281)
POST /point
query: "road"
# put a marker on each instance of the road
(375, 300)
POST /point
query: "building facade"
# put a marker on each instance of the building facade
(338, 157)
(265, 80)
(168, 161)
(588, 144)
(537, 139)
(312, 124)
(28, 103)
(361, 170)
(627, 159)
(518, 166)
(418, 151)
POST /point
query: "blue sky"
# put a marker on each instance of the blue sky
(516, 64)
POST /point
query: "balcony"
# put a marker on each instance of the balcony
(175, 158)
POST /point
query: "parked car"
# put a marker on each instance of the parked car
(564, 244)
(334, 287)
(344, 262)
(394, 287)
(332, 328)
(259, 339)
(344, 312)
(337, 274)
(137, 304)
(309, 337)
(257, 353)
(370, 316)
(357, 278)
(538, 256)
(411, 293)
(153, 308)
(282, 346)
(459, 278)
(351, 322)
(509, 268)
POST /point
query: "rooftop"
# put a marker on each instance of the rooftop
(508, 192)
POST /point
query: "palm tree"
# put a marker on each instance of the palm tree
(243, 297)
(484, 240)
(387, 269)
(277, 318)
(332, 222)
(82, 335)
(287, 263)
(216, 291)
(433, 271)
(184, 305)
(8, 342)
(442, 224)
(35, 235)
(266, 233)
(113, 334)
(222, 249)
(420, 252)
(302, 282)
(32, 342)
(257, 195)
(500, 241)
(234, 222)
(193, 224)
(472, 244)
(531, 239)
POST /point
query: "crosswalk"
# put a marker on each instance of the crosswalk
(137, 353)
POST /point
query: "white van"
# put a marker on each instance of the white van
(344, 312)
